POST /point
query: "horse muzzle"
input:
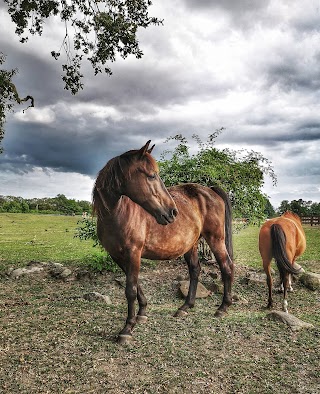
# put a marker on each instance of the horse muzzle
(165, 218)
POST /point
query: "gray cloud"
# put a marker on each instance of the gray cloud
(251, 67)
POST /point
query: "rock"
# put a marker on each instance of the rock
(83, 274)
(65, 274)
(256, 277)
(16, 273)
(310, 280)
(95, 296)
(293, 322)
(202, 292)
(39, 264)
(58, 271)
(121, 282)
(55, 265)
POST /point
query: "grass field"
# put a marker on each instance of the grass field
(53, 341)
(26, 237)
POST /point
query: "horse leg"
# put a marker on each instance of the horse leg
(227, 272)
(192, 260)
(131, 270)
(285, 287)
(142, 315)
(267, 270)
(290, 288)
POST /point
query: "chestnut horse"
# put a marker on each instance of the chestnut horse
(138, 217)
(284, 239)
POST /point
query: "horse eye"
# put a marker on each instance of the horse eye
(153, 176)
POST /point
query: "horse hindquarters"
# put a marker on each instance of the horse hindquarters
(280, 254)
(279, 250)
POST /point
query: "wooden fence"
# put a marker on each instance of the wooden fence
(311, 220)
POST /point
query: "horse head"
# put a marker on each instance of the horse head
(143, 185)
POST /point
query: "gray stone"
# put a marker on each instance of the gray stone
(95, 296)
(256, 277)
(293, 322)
(202, 292)
(16, 273)
(66, 273)
(310, 280)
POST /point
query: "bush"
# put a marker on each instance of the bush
(99, 260)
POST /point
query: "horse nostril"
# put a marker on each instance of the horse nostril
(174, 213)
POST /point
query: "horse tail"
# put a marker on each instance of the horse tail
(228, 219)
(278, 238)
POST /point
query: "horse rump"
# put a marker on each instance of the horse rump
(278, 238)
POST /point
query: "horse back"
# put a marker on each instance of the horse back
(294, 235)
(201, 211)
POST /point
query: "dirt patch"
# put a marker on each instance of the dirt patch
(54, 341)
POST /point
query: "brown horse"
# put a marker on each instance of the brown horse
(138, 217)
(284, 239)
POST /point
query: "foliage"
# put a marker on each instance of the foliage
(100, 260)
(240, 173)
(8, 95)
(58, 205)
(87, 229)
(300, 207)
(97, 30)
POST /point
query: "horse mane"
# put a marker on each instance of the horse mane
(110, 179)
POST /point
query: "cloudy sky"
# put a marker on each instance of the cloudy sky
(252, 67)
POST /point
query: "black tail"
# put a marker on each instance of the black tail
(228, 218)
(278, 238)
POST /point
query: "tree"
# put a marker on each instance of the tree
(240, 173)
(269, 211)
(97, 30)
(300, 207)
(8, 95)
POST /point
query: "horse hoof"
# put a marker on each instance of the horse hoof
(219, 313)
(124, 339)
(142, 319)
(180, 313)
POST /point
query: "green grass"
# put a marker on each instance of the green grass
(54, 341)
(26, 237)
(246, 248)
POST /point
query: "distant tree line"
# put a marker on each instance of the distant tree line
(56, 205)
(300, 207)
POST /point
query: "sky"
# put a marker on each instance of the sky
(252, 67)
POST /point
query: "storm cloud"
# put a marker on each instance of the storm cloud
(251, 67)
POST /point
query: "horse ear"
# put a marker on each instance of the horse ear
(144, 149)
(150, 150)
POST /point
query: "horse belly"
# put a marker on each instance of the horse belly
(170, 242)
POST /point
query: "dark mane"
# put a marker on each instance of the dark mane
(111, 178)
(108, 183)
